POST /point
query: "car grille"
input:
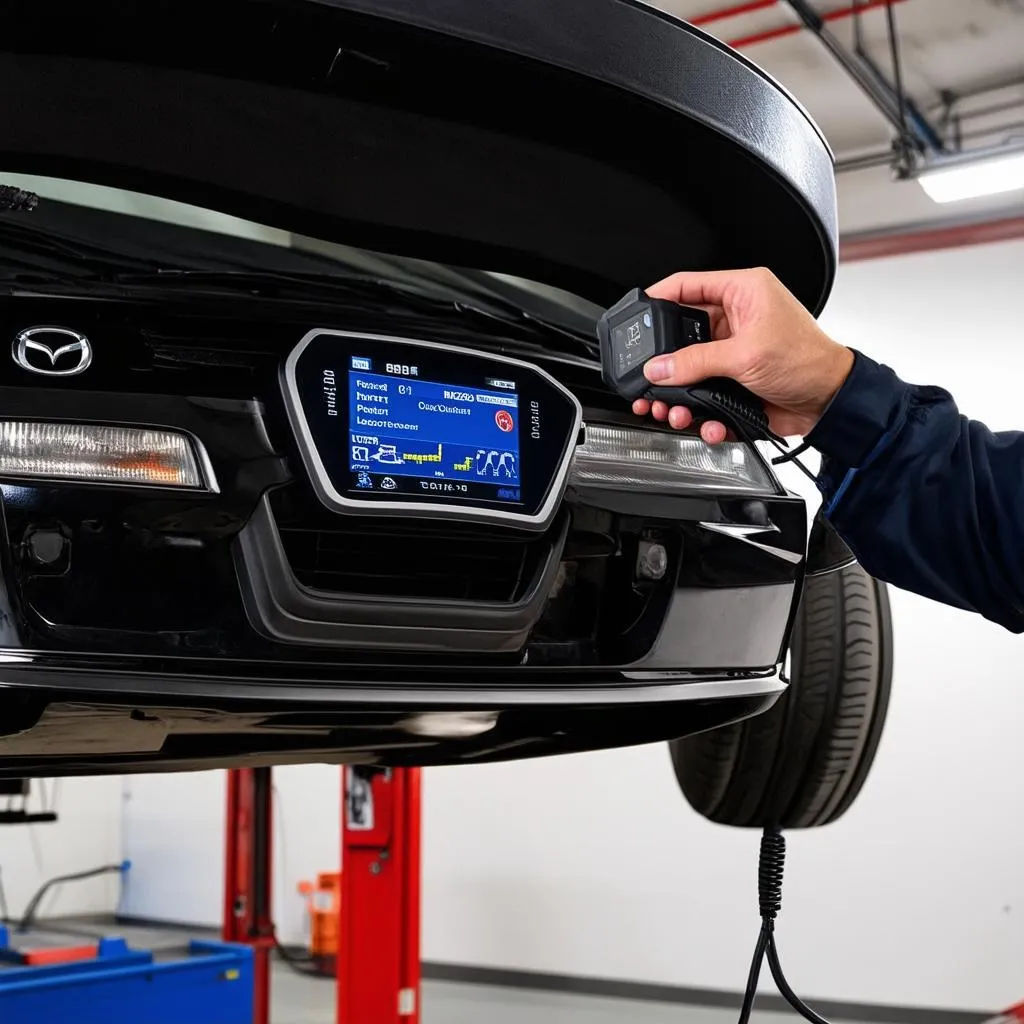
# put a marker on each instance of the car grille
(356, 555)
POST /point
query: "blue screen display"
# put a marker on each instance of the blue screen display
(408, 434)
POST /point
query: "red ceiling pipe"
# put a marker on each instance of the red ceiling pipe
(950, 236)
(735, 11)
(791, 30)
(763, 37)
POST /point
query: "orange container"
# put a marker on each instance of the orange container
(323, 905)
(63, 955)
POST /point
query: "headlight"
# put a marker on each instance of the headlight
(624, 458)
(100, 454)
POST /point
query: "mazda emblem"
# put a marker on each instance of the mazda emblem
(70, 348)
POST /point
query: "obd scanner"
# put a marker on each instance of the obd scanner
(638, 328)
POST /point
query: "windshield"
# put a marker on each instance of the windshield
(123, 231)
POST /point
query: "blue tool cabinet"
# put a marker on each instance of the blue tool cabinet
(213, 985)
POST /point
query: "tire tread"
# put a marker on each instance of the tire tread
(802, 763)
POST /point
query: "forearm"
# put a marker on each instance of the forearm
(927, 499)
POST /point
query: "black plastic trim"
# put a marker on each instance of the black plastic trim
(210, 682)
(280, 608)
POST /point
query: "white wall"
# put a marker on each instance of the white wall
(593, 865)
(86, 835)
(173, 833)
(174, 836)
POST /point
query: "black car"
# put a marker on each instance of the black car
(304, 448)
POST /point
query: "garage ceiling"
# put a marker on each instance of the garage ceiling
(969, 49)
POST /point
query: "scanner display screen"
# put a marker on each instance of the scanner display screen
(393, 426)
(633, 342)
(407, 434)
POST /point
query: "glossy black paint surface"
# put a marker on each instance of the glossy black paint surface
(100, 733)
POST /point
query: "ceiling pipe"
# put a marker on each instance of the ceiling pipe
(735, 11)
(893, 103)
(911, 126)
(838, 14)
(883, 157)
(879, 245)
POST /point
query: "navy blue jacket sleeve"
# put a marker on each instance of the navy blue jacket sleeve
(927, 499)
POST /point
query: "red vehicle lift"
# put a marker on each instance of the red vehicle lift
(248, 913)
(379, 939)
(1012, 1015)
(378, 964)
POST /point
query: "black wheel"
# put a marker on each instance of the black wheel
(802, 763)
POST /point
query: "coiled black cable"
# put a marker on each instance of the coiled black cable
(746, 415)
(736, 405)
(771, 866)
(770, 869)
(742, 412)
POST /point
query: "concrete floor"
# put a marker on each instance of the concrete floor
(297, 999)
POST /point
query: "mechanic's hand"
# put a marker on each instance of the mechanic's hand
(763, 338)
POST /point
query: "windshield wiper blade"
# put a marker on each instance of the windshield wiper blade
(260, 281)
(24, 246)
(586, 342)
(534, 326)
(284, 284)
(34, 254)
(275, 284)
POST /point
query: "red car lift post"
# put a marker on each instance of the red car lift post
(379, 938)
(247, 876)
(1012, 1015)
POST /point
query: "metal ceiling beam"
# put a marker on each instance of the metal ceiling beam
(883, 157)
(911, 126)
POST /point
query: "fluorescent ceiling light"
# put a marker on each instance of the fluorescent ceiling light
(981, 176)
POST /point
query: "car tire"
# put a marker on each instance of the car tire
(802, 763)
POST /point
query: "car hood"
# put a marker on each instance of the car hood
(594, 145)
